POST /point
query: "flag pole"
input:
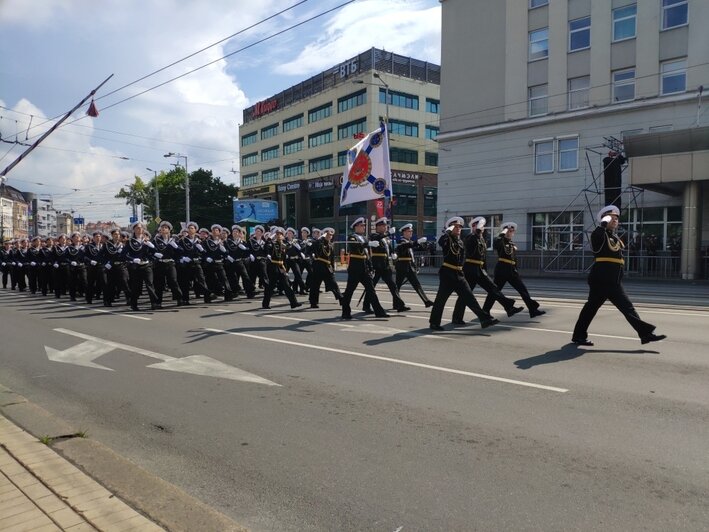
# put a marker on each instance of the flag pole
(51, 129)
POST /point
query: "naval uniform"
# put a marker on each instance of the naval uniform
(475, 273)
(405, 269)
(60, 277)
(117, 279)
(164, 271)
(604, 283)
(95, 271)
(77, 271)
(358, 271)
(20, 259)
(190, 269)
(45, 270)
(277, 276)
(238, 255)
(214, 253)
(451, 279)
(140, 271)
(258, 268)
(506, 272)
(323, 270)
(382, 262)
(5, 265)
(293, 263)
(34, 268)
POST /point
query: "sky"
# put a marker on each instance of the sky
(54, 52)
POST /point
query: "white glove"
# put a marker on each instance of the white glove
(268, 257)
(222, 248)
(44, 264)
(296, 246)
(230, 258)
(450, 228)
(150, 244)
(108, 266)
(73, 263)
(504, 231)
(19, 265)
(374, 243)
(172, 243)
(199, 247)
(392, 230)
(309, 243)
(422, 240)
(302, 256)
(33, 263)
(159, 255)
(94, 263)
(210, 260)
(242, 247)
(394, 256)
(3, 264)
(252, 258)
(136, 261)
(56, 265)
(186, 260)
(607, 218)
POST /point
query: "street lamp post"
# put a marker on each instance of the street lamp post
(157, 193)
(187, 184)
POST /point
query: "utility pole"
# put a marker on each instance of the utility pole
(157, 194)
(187, 184)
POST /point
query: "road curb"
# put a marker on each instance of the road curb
(160, 501)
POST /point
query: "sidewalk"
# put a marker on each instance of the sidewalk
(40, 490)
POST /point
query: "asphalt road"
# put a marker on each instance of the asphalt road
(378, 424)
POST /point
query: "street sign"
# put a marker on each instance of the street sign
(158, 219)
(78, 221)
(133, 219)
(85, 353)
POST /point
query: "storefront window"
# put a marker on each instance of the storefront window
(321, 204)
(430, 198)
(406, 199)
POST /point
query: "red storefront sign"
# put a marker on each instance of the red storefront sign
(262, 108)
(379, 204)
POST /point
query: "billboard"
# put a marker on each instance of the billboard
(255, 210)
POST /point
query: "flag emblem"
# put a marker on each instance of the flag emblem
(368, 173)
(361, 169)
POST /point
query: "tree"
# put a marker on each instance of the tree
(210, 198)
(134, 194)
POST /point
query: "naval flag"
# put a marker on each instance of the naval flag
(368, 174)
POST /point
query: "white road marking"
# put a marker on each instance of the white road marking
(84, 353)
(392, 360)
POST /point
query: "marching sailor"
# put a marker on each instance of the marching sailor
(277, 277)
(506, 271)
(138, 254)
(382, 257)
(305, 247)
(359, 270)
(476, 274)
(190, 265)
(257, 246)
(164, 271)
(46, 269)
(95, 272)
(405, 262)
(451, 277)
(60, 263)
(21, 260)
(605, 281)
(34, 259)
(215, 251)
(5, 261)
(238, 255)
(294, 254)
(114, 262)
(323, 268)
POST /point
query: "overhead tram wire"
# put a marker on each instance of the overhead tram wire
(262, 21)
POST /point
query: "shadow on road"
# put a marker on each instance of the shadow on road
(571, 351)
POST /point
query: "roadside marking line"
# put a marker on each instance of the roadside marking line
(365, 327)
(392, 360)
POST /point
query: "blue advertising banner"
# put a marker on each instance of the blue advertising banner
(254, 210)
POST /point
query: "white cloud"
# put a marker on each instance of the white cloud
(400, 26)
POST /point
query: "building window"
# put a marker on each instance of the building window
(658, 129)
(674, 77)
(430, 200)
(538, 100)
(433, 106)
(568, 154)
(538, 44)
(293, 170)
(399, 99)
(270, 131)
(401, 155)
(406, 199)
(249, 139)
(269, 153)
(653, 229)
(292, 146)
(320, 138)
(580, 34)
(431, 159)
(249, 159)
(431, 132)
(269, 175)
(249, 179)
(543, 157)
(359, 208)
(321, 163)
(537, 3)
(407, 129)
(351, 101)
(624, 22)
(319, 113)
(321, 204)
(624, 85)
(342, 158)
(674, 13)
(293, 122)
(578, 92)
(557, 231)
(350, 129)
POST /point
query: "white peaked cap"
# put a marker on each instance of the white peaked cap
(608, 209)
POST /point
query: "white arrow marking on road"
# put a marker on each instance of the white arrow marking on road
(84, 354)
